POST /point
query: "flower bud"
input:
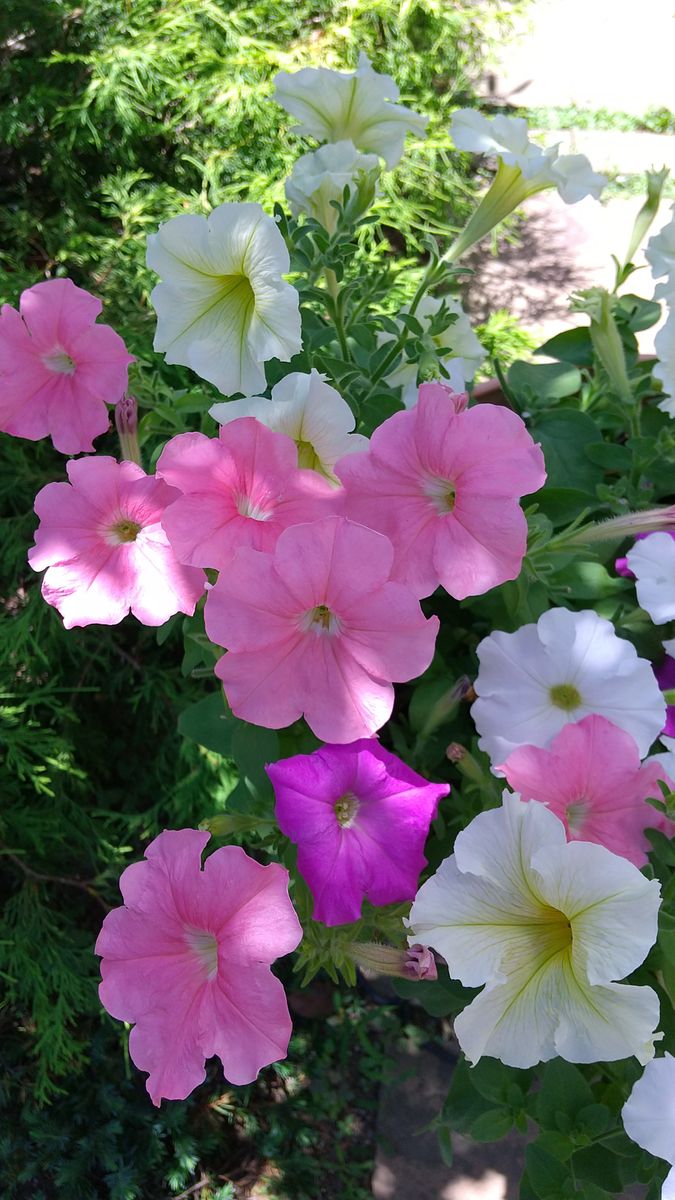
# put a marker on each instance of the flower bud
(414, 962)
(126, 423)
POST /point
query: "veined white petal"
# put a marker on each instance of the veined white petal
(649, 1112)
(652, 561)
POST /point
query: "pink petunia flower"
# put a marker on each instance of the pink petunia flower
(437, 389)
(188, 960)
(317, 628)
(444, 486)
(239, 489)
(104, 548)
(58, 369)
(592, 779)
(360, 818)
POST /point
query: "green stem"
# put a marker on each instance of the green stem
(335, 312)
(426, 282)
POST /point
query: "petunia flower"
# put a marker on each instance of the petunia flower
(310, 411)
(239, 489)
(359, 106)
(456, 348)
(649, 1115)
(360, 818)
(652, 562)
(322, 176)
(660, 254)
(548, 926)
(569, 665)
(318, 628)
(621, 564)
(444, 487)
(223, 307)
(58, 368)
(592, 779)
(665, 677)
(666, 760)
(187, 960)
(664, 345)
(101, 540)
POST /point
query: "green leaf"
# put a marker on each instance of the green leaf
(208, 723)
(598, 1165)
(444, 1136)
(376, 409)
(589, 581)
(463, 1105)
(440, 997)
(557, 1144)
(492, 1125)
(572, 346)
(563, 1090)
(594, 1119)
(564, 434)
(544, 381)
(612, 457)
(252, 748)
(546, 1174)
(561, 505)
(637, 312)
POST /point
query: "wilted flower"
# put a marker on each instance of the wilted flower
(548, 926)
(58, 368)
(223, 307)
(101, 539)
(360, 818)
(188, 960)
(310, 411)
(569, 665)
(359, 106)
(649, 1115)
(322, 176)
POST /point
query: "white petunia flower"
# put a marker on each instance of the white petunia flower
(457, 348)
(666, 760)
(660, 254)
(669, 647)
(570, 664)
(664, 345)
(652, 561)
(310, 411)
(321, 176)
(359, 105)
(548, 926)
(223, 307)
(507, 137)
(649, 1115)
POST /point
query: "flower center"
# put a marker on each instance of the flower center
(205, 947)
(565, 696)
(441, 493)
(345, 809)
(125, 530)
(321, 620)
(247, 507)
(559, 934)
(57, 360)
(576, 816)
(308, 457)
(236, 289)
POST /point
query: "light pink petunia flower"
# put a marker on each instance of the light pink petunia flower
(318, 628)
(241, 488)
(58, 369)
(104, 548)
(592, 779)
(360, 818)
(444, 487)
(188, 960)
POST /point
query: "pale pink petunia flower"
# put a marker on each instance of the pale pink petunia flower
(438, 389)
(58, 368)
(188, 957)
(592, 779)
(101, 540)
(318, 628)
(241, 488)
(359, 817)
(444, 487)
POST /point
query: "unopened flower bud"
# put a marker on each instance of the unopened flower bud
(126, 423)
(414, 962)
(465, 762)
(651, 520)
(420, 962)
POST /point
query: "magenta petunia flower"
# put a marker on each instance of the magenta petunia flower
(317, 628)
(592, 779)
(188, 960)
(360, 818)
(239, 489)
(104, 548)
(444, 487)
(58, 369)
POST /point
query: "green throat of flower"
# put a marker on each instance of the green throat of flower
(565, 696)
(345, 809)
(125, 530)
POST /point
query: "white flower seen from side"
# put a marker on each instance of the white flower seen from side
(223, 307)
(667, 759)
(359, 106)
(664, 345)
(570, 664)
(310, 411)
(660, 254)
(322, 175)
(649, 1115)
(456, 347)
(549, 927)
(652, 561)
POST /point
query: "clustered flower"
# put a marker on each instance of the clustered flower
(320, 545)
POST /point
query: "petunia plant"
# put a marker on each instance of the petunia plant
(434, 627)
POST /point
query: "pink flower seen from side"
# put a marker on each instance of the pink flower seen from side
(444, 487)
(592, 779)
(238, 489)
(101, 540)
(58, 368)
(360, 818)
(317, 628)
(187, 960)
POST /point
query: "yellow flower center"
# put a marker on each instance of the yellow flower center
(125, 530)
(565, 696)
(441, 493)
(205, 947)
(345, 809)
(321, 620)
(308, 457)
